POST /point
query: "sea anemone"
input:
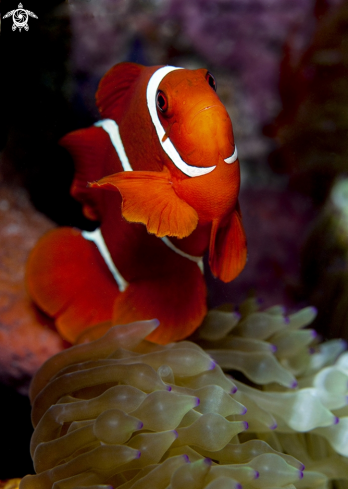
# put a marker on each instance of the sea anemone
(123, 412)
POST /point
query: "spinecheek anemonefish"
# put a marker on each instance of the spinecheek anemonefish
(160, 172)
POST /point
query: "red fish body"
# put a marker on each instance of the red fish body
(160, 173)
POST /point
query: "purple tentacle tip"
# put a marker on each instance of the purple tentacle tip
(186, 458)
(198, 401)
(302, 467)
(314, 333)
(286, 319)
(246, 425)
(293, 384)
(239, 486)
(208, 461)
(244, 411)
(256, 475)
(314, 310)
(168, 388)
(274, 348)
(140, 425)
(238, 314)
(300, 474)
(273, 426)
(212, 365)
(337, 420)
(234, 389)
(138, 454)
(176, 433)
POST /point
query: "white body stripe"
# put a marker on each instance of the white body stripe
(111, 128)
(167, 145)
(196, 259)
(97, 238)
(232, 159)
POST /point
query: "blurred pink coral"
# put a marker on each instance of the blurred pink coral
(245, 36)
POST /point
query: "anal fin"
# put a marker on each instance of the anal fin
(68, 279)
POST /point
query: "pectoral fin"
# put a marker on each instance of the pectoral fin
(228, 248)
(149, 198)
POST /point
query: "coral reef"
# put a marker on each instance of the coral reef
(26, 336)
(123, 412)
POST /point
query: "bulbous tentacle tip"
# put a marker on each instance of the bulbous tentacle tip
(212, 365)
(256, 475)
(234, 389)
(273, 348)
(336, 420)
(246, 425)
(286, 320)
(245, 410)
(239, 486)
(198, 401)
(293, 384)
(138, 454)
(302, 467)
(208, 461)
(140, 425)
(314, 310)
(168, 388)
(175, 433)
(314, 334)
(186, 458)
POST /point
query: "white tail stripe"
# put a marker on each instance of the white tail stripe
(167, 145)
(111, 128)
(97, 238)
(196, 259)
(232, 159)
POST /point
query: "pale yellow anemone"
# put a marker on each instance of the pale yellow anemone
(122, 412)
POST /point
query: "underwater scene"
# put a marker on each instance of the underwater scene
(174, 244)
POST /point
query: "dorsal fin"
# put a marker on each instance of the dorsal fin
(93, 156)
(113, 87)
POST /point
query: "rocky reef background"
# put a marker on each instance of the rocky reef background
(281, 71)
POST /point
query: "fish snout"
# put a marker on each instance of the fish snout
(212, 127)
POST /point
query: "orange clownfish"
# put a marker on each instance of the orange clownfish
(160, 172)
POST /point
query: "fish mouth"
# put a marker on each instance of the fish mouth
(233, 157)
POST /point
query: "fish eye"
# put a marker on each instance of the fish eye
(211, 80)
(161, 101)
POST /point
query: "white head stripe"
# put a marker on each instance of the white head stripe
(232, 159)
(167, 145)
(111, 128)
